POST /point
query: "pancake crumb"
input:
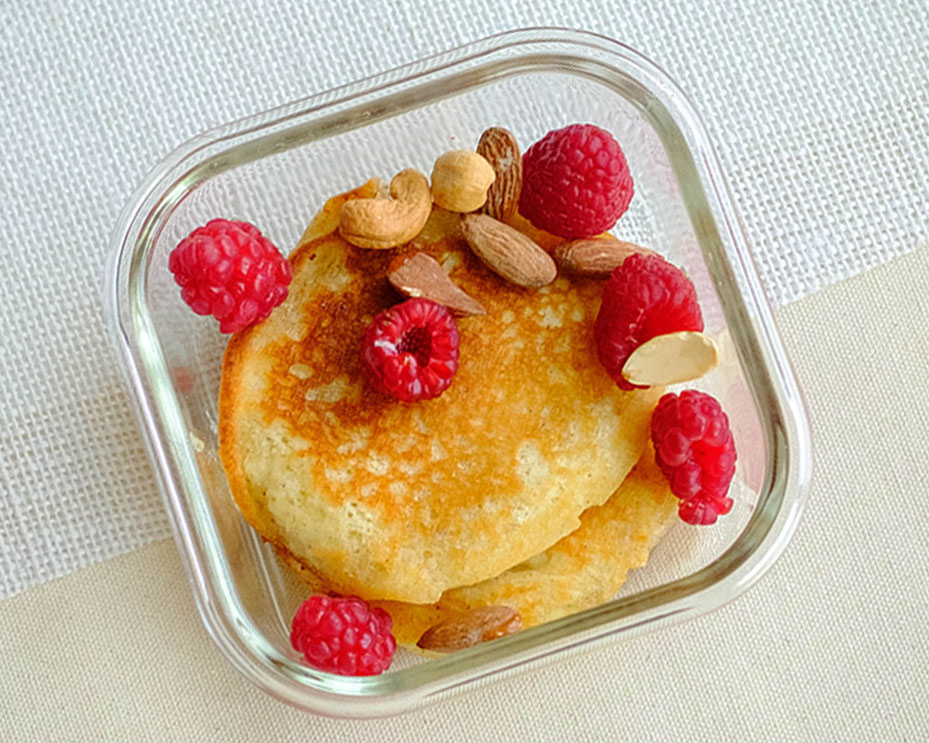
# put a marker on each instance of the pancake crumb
(531, 467)
(437, 451)
(377, 465)
(551, 317)
(300, 371)
(338, 389)
(357, 440)
(338, 475)
(411, 468)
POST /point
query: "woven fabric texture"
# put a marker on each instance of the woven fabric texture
(819, 112)
(829, 646)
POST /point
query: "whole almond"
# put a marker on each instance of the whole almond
(508, 252)
(420, 275)
(471, 628)
(500, 148)
(594, 258)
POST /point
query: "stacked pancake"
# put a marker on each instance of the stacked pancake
(518, 486)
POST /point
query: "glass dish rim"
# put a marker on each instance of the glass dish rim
(158, 410)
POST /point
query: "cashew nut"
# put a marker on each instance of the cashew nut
(387, 223)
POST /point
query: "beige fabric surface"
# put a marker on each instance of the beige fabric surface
(830, 646)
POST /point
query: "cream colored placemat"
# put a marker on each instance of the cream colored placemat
(830, 646)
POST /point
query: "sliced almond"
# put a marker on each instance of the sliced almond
(499, 147)
(471, 628)
(508, 252)
(594, 258)
(671, 358)
(420, 275)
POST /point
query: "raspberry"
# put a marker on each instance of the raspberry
(231, 271)
(410, 350)
(343, 635)
(575, 182)
(644, 297)
(695, 451)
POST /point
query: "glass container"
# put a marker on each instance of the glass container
(277, 168)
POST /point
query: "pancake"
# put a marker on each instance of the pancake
(398, 501)
(582, 570)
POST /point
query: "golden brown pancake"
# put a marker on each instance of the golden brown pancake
(399, 501)
(582, 570)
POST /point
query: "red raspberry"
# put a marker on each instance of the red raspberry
(696, 453)
(410, 350)
(575, 182)
(343, 635)
(231, 271)
(644, 297)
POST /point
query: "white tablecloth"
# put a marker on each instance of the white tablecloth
(820, 112)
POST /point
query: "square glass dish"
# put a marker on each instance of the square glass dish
(277, 168)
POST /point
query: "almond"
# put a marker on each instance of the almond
(508, 252)
(594, 258)
(420, 275)
(671, 358)
(471, 628)
(499, 147)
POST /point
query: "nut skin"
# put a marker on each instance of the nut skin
(471, 628)
(460, 179)
(594, 258)
(508, 252)
(499, 147)
(380, 224)
(420, 275)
